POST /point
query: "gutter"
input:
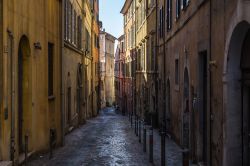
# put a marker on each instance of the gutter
(210, 85)
(61, 70)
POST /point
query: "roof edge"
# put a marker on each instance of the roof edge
(126, 6)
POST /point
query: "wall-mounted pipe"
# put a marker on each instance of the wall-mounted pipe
(12, 88)
(61, 70)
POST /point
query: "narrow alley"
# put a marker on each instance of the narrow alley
(112, 142)
(125, 82)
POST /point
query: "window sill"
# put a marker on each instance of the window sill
(51, 98)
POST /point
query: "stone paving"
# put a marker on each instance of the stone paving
(107, 140)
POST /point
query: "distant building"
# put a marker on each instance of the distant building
(140, 42)
(107, 44)
(88, 63)
(129, 97)
(95, 52)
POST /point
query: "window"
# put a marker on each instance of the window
(143, 57)
(70, 21)
(137, 60)
(176, 71)
(87, 46)
(178, 8)
(79, 31)
(143, 14)
(161, 26)
(65, 19)
(50, 69)
(122, 47)
(169, 14)
(152, 54)
(75, 28)
(184, 4)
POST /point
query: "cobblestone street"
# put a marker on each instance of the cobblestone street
(106, 140)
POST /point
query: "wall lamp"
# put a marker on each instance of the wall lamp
(37, 45)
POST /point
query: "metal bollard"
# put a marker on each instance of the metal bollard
(185, 157)
(163, 150)
(139, 131)
(144, 138)
(135, 123)
(12, 155)
(151, 145)
(131, 120)
(26, 139)
(129, 116)
(52, 141)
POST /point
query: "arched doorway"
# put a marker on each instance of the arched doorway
(237, 98)
(24, 93)
(186, 112)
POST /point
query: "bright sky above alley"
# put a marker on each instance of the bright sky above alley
(111, 17)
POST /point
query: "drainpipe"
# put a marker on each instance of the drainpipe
(12, 140)
(156, 59)
(163, 128)
(164, 68)
(61, 66)
(210, 82)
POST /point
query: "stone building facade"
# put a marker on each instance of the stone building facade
(128, 12)
(95, 50)
(139, 28)
(88, 60)
(107, 57)
(198, 42)
(120, 74)
(30, 99)
(80, 61)
(201, 75)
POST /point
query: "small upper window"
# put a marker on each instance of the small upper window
(178, 8)
(184, 4)
(176, 71)
(169, 14)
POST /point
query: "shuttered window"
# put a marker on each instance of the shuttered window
(169, 14)
(75, 28)
(178, 9)
(184, 3)
(79, 31)
(65, 19)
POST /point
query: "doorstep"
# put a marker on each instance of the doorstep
(5, 163)
(22, 157)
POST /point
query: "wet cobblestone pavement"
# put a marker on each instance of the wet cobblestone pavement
(107, 140)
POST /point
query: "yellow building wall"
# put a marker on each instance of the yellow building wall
(88, 61)
(72, 57)
(38, 21)
(95, 49)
